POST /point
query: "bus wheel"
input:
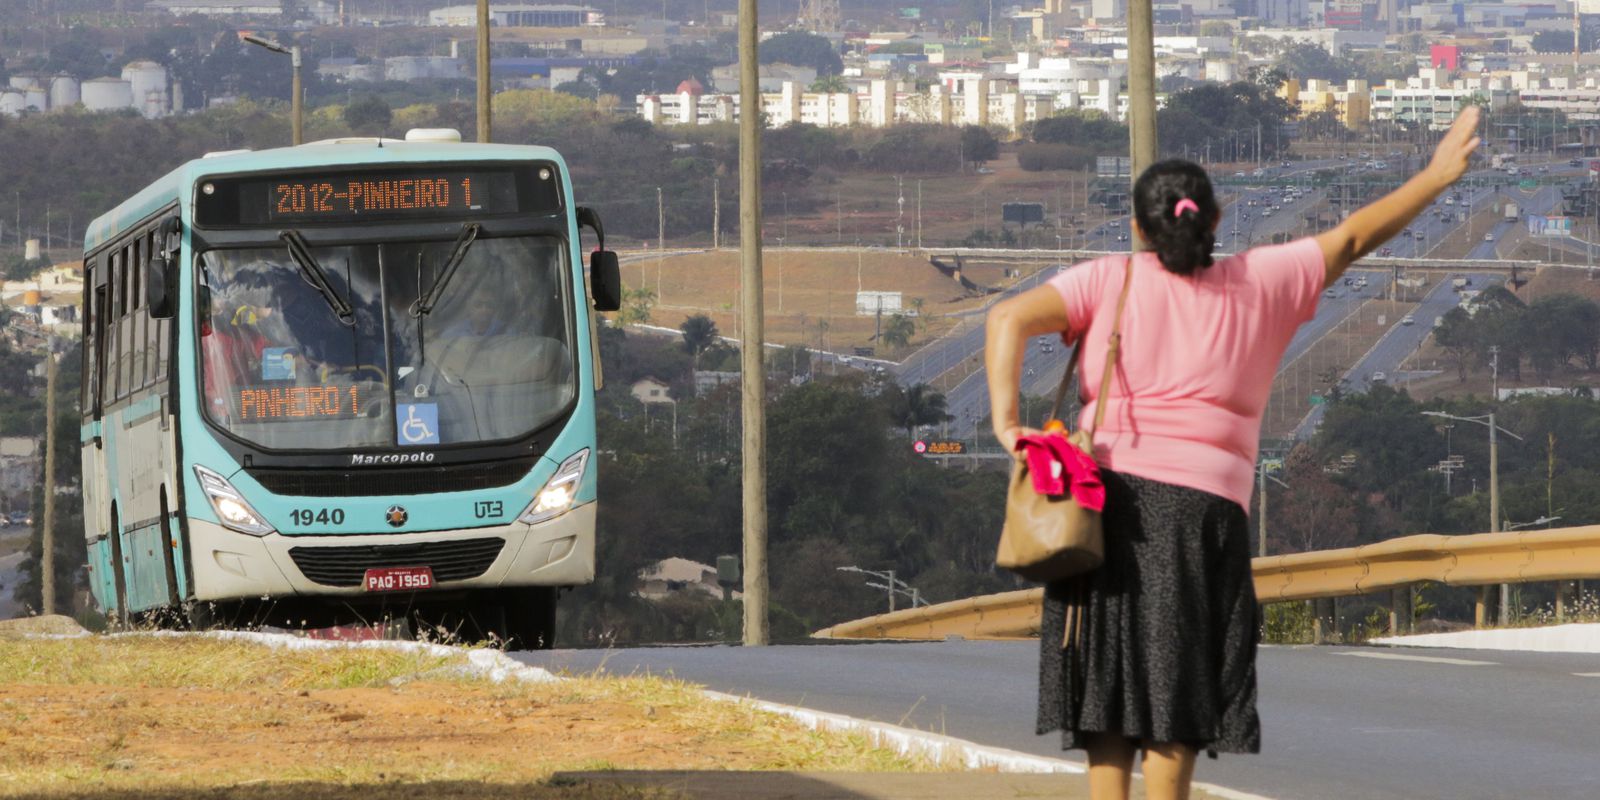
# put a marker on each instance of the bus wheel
(119, 614)
(531, 617)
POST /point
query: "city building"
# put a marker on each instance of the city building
(518, 15)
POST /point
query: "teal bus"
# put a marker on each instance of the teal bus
(345, 381)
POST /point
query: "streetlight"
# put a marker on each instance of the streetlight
(1494, 490)
(891, 584)
(293, 52)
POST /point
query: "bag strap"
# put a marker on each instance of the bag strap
(1113, 351)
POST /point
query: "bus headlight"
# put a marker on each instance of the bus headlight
(234, 513)
(558, 493)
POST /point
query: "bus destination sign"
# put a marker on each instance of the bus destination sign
(308, 199)
(370, 195)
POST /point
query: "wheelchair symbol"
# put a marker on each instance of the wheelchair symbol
(420, 425)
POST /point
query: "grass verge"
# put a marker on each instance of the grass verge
(146, 717)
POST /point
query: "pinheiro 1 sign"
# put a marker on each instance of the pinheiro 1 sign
(1539, 225)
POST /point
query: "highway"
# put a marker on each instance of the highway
(1338, 722)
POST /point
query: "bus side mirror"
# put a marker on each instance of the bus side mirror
(158, 287)
(605, 276)
(605, 280)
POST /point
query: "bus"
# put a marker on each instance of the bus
(345, 381)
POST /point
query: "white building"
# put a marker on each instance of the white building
(518, 15)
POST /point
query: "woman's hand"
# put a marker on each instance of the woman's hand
(1011, 435)
(1452, 156)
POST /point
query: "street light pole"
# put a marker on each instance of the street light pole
(484, 117)
(753, 389)
(296, 107)
(1494, 490)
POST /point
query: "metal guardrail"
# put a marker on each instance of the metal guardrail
(1469, 560)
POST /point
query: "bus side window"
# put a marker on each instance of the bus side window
(111, 324)
(86, 379)
(154, 327)
(136, 321)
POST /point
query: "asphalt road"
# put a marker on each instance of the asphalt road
(1338, 723)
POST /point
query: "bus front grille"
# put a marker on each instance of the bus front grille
(372, 482)
(346, 566)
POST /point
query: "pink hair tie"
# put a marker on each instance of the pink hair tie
(1185, 203)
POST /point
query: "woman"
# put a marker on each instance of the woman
(1165, 662)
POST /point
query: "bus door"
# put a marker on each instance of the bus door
(97, 493)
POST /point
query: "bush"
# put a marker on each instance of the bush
(1040, 157)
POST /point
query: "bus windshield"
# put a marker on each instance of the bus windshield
(492, 359)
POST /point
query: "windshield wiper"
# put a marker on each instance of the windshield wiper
(314, 275)
(426, 300)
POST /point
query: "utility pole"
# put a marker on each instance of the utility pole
(716, 213)
(1141, 92)
(919, 213)
(661, 238)
(483, 71)
(297, 102)
(753, 372)
(1494, 512)
(47, 559)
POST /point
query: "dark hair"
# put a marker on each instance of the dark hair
(1183, 241)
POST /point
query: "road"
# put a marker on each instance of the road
(1402, 340)
(1338, 723)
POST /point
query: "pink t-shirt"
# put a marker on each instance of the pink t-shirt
(1198, 357)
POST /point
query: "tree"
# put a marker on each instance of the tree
(1315, 513)
(978, 145)
(699, 335)
(1456, 336)
(636, 305)
(897, 331)
(830, 84)
(368, 114)
(915, 406)
(1216, 28)
(1306, 60)
(582, 89)
(802, 49)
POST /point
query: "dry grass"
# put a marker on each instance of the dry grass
(144, 716)
(815, 287)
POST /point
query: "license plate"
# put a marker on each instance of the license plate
(398, 579)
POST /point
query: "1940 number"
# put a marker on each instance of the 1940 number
(317, 516)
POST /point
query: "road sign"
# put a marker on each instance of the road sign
(1317, 399)
(1527, 183)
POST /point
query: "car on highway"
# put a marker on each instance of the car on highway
(1122, 237)
(1488, 237)
(1330, 293)
(1387, 251)
(1408, 320)
(1379, 377)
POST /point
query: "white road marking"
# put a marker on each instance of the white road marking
(1587, 674)
(1429, 659)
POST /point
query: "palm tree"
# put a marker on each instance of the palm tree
(699, 335)
(898, 330)
(916, 406)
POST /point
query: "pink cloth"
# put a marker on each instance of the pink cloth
(1198, 357)
(1056, 465)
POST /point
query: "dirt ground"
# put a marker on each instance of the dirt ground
(140, 716)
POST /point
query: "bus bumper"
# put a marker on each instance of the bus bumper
(230, 565)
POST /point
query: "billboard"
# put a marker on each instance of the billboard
(1113, 167)
(1549, 226)
(1022, 213)
(870, 303)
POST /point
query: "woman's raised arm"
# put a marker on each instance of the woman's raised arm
(1379, 221)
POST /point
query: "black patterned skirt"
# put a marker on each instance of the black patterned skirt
(1164, 648)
